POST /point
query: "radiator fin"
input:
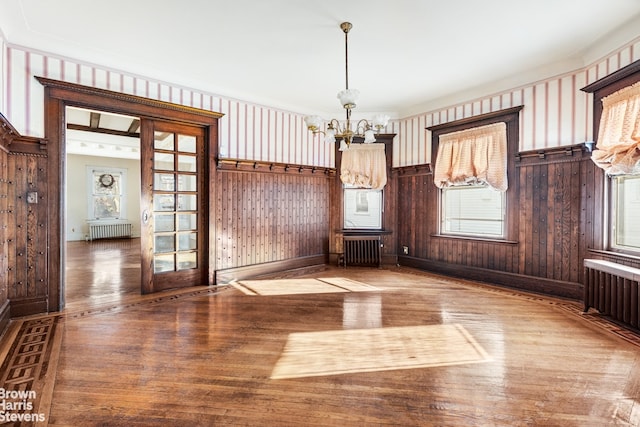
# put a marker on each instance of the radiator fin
(613, 290)
(362, 250)
(109, 231)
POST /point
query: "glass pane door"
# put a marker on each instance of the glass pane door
(175, 202)
(173, 239)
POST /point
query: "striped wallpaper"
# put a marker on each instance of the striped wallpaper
(555, 111)
(247, 131)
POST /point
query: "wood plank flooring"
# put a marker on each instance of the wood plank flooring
(205, 356)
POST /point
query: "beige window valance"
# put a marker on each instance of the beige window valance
(618, 150)
(471, 156)
(364, 165)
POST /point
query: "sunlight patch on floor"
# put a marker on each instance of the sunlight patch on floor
(301, 286)
(379, 349)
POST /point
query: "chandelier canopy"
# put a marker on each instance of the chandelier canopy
(346, 131)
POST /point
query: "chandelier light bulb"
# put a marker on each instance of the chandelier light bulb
(369, 137)
(380, 120)
(330, 135)
(313, 123)
(349, 97)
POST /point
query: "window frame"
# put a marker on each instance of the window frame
(92, 171)
(442, 220)
(603, 238)
(511, 117)
(346, 189)
(612, 223)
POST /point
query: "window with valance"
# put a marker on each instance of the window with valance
(363, 172)
(616, 117)
(473, 164)
(473, 156)
(618, 150)
(364, 166)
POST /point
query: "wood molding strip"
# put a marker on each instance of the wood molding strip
(236, 165)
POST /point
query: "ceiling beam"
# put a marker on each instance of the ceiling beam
(94, 120)
(103, 130)
(134, 126)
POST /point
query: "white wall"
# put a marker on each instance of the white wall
(77, 197)
(3, 52)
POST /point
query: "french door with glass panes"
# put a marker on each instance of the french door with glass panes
(173, 202)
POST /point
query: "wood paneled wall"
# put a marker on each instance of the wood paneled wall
(25, 222)
(27, 251)
(5, 232)
(270, 217)
(554, 221)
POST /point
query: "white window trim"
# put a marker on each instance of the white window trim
(91, 170)
(441, 219)
(347, 215)
(611, 197)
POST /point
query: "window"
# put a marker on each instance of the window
(106, 193)
(362, 208)
(471, 172)
(474, 210)
(474, 170)
(625, 227)
(616, 123)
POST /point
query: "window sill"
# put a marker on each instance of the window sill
(474, 238)
(362, 231)
(615, 254)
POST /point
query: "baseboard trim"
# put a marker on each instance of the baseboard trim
(334, 259)
(538, 285)
(246, 272)
(28, 306)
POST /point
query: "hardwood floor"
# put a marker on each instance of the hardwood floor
(205, 356)
(101, 272)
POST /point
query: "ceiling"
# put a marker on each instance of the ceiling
(405, 56)
(94, 133)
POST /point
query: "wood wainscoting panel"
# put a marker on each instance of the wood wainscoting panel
(265, 216)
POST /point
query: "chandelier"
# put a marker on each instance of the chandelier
(346, 131)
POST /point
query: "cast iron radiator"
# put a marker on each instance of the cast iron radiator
(362, 250)
(109, 230)
(612, 289)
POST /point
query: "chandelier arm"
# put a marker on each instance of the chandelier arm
(362, 124)
(336, 125)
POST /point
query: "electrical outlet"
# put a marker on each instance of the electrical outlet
(405, 250)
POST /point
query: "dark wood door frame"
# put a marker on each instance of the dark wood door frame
(57, 96)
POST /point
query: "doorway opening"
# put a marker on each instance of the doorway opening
(196, 134)
(102, 207)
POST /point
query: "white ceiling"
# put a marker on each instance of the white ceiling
(93, 143)
(405, 56)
